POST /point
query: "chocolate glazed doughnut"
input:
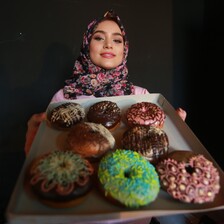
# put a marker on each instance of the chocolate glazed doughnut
(145, 113)
(151, 142)
(106, 113)
(90, 140)
(66, 115)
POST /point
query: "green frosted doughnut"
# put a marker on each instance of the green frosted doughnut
(128, 178)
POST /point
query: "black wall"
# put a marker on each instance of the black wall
(41, 41)
(198, 47)
(176, 49)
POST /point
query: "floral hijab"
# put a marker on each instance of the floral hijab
(89, 79)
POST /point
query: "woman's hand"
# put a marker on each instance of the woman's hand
(33, 125)
(182, 113)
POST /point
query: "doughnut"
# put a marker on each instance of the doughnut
(59, 179)
(149, 141)
(106, 113)
(189, 177)
(90, 140)
(145, 113)
(66, 115)
(128, 179)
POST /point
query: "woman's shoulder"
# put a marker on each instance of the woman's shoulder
(140, 90)
(59, 96)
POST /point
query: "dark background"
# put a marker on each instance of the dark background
(176, 49)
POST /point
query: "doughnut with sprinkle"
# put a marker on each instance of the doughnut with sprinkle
(128, 179)
(59, 179)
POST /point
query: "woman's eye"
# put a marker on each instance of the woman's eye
(97, 38)
(100, 38)
(118, 41)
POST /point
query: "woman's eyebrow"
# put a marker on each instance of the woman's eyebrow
(103, 32)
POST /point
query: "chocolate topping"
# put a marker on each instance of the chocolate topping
(90, 139)
(66, 115)
(105, 112)
(150, 142)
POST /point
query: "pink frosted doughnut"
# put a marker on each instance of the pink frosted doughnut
(189, 177)
(145, 113)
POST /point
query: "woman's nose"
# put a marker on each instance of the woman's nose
(107, 44)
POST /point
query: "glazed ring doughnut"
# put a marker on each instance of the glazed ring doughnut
(128, 179)
(106, 113)
(145, 113)
(151, 142)
(189, 177)
(66, 115)
(90, 140)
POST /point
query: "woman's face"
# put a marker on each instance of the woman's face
(107, 45)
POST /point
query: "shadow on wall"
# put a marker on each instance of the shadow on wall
(205, 69)
(20, 103)
(198, 65)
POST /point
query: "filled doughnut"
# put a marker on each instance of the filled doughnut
(90, 140)
(106, 113)
(66, 115)
(145, 113)
(127, 179)
(59, 179)
(149, 141)
(189, 177)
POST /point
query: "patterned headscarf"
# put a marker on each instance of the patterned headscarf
(89, 79)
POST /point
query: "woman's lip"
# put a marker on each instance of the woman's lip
(107, 55)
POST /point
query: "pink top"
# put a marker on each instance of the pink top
(59, 96)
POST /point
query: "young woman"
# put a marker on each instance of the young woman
(99, 71)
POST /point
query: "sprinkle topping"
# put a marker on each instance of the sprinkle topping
(62, 170)
(129, 178)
